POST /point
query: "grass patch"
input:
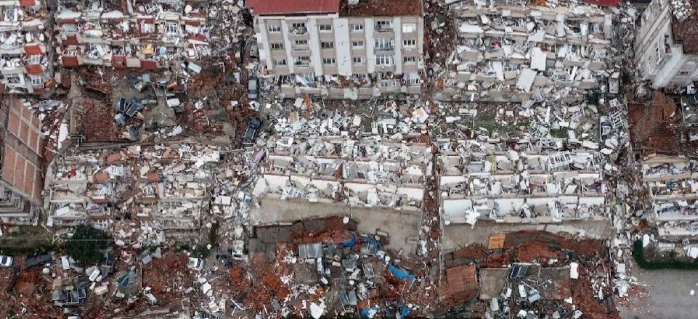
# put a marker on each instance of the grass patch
(559, 133)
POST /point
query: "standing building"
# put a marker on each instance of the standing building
(666, 51)
(341, 48)
(20, 163)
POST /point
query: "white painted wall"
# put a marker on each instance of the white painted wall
(342, 44)
(370, 43)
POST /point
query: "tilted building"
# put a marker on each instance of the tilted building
(341, 48)
(666, 52)
(21, 172)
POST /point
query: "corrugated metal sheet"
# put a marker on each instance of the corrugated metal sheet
(272, 7)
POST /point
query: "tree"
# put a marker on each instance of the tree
(85, 244)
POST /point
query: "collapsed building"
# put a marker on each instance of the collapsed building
(514, 50)
(341, 48)
(672, 188)
(531, 182)
(131, 34)
(26, 62)
(340, 170)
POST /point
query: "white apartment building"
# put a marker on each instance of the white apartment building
(342, 50)
(666, 51)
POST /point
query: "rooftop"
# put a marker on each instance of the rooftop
(381, 8)
(685, 33)
(276, 7)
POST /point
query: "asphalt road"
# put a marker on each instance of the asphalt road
(668, 295)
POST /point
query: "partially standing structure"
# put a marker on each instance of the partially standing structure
(20, 163)
(341, 48)
(666, 52)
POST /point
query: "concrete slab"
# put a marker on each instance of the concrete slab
(401, 225)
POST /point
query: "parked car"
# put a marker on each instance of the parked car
(39, 260)
(6, 261)
(195, 263)
(253, 89)
(253, 126)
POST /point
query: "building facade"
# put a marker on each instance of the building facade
(343, 50)
(666, 52)
(21, 173)
(24, 64)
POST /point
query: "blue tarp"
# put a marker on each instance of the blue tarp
(371, 240)
(370, 312)
(404, 312)
(401, 273)
(351, 242)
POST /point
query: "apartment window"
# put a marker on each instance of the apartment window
(327, 45)
(357, 44)
(298, 25)
(34, 59)
(358, 60)
(150, 8)
(279, 62)
(409, 43)
(385, 44)
(13, 79)
(384, 60)
(409, 28)
(301, 42)
(329, 61)
(409, 59)
(384, 25)
(274, 28)
(300, 60)
(326, 27)
(36, 80)
(276, 46)
(356, 27)
(387, 83)
(172, 28)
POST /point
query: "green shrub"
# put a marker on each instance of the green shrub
(672, 263)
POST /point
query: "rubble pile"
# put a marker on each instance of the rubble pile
(543, 275)
(506, 52)
(318, 267)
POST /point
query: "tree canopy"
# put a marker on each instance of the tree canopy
(85, 244)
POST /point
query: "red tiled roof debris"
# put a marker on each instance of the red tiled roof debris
(32, 49)
(272, 7)
(603, 3)
(34, 69)
(382, 8)
(686, 33)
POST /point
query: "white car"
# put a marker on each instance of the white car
(6, 261)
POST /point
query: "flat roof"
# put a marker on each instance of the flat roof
(381, 8)
(685, 33)
(288, 7)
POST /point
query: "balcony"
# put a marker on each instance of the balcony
(384, 49)
(301, 30)
(383, 27)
